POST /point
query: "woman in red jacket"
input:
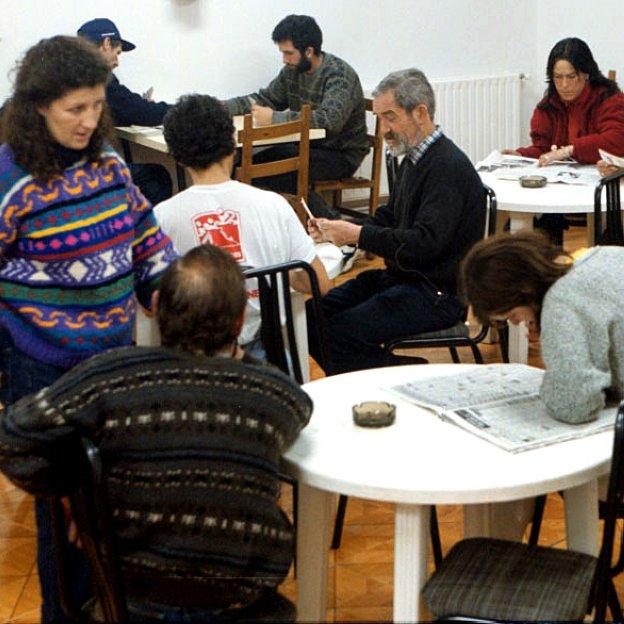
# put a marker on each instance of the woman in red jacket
(581, 110)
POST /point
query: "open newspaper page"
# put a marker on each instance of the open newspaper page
(500, 403)
(510, 167)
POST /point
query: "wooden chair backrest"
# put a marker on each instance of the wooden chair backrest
(376, 142)
(611, 74)
(247, 171)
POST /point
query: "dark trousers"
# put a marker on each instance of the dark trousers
(22, 375)
(324, 165)
(153, 180)
(375, 307)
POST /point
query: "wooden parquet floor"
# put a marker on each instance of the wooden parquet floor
(360, 578)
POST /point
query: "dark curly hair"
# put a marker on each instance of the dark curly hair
(199, 131)
(578, 54)
(302, 30)
(509, 270)
(48, 71)
(202, 298)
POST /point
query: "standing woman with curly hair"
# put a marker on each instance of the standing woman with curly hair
(77, 241)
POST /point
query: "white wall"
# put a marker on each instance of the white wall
(223, 47)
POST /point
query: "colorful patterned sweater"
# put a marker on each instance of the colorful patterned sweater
(72, 253)
(191, 448)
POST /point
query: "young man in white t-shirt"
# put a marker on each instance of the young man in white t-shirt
(257, 227)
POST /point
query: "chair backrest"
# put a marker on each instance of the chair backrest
(275, 295)
(615, 499)
(247, 171)
(376, 142)
(611, 74)
(612, 233)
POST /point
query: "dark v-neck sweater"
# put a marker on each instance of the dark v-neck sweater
(435, 214)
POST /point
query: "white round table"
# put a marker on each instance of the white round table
(419, 461)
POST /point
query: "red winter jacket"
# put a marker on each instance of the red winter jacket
(601, 123)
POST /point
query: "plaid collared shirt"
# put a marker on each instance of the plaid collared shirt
(417, 152)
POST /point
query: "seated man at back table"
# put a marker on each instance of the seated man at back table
(128, 108)
(435, 214)
(257, 227)
(231, 544)
(331, 87)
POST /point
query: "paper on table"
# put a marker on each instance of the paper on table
(500, 403)
(610, 159)
(510, 167)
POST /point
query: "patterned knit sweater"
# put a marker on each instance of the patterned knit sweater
(335, 95)
(191, 447)
(72, 252)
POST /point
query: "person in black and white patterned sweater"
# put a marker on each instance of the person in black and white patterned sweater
(200, 533)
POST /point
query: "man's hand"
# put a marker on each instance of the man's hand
(605, 169)
(262, 115)
(338, 232)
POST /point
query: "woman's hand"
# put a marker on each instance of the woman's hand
(555, 153)
(605, 169)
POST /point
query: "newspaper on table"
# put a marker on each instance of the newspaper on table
(500, 403)
(610, 159)
(510, 167)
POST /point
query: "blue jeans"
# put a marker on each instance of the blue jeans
(23, 375)
(375, 307)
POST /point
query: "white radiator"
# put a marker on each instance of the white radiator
(480, 114)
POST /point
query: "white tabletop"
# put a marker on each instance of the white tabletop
(552, 198)
(422, 459)
(154, 139)
(418, 461)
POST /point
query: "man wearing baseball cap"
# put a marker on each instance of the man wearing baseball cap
(129, 108)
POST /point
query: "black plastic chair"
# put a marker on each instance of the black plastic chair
(458, 335)
(556, 584)
(612, 234)
(279, 341)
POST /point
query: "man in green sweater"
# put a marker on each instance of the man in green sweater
(331, 87)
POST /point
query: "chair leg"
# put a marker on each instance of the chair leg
(455, 355)
(476, 353)
(436, 545)
(536, 523)
(338, 524)
(295, 502)
(614, 604)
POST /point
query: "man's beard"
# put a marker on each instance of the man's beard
(401, 145)
(304, 65)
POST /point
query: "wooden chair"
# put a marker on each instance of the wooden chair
(247, 170)
(337, 186)
(611, 74)
(485, 579)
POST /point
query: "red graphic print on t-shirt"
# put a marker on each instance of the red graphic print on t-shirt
(221, 228)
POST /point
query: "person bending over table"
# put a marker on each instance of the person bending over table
(77, 241)
(573, 308)
(257, 227)
(581, 110)
(130, 108)
(435, 214)
(212, 574)
(331, 87)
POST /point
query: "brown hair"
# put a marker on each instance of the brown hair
(48, 71)
(509, 270)
(202, 297)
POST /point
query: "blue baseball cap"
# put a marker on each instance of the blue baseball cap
(98, 29)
